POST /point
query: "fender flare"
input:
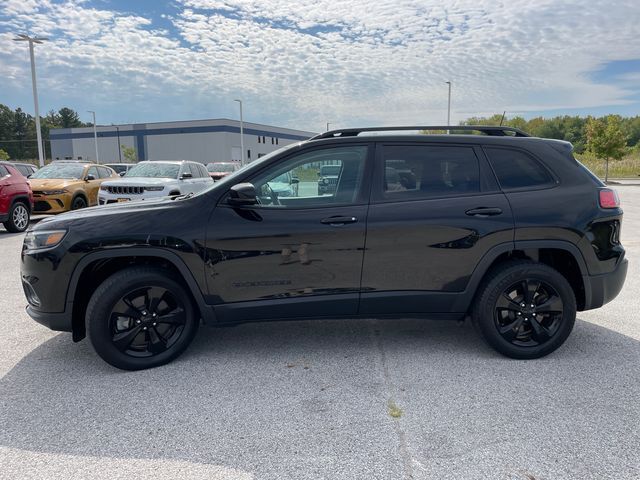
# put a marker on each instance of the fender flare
(463, 303)
(205, 310)
(21, 198)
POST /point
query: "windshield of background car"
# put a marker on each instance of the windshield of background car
(155, 170)
(330, 170)
(221, 167)
(284, 178)
(60, 171)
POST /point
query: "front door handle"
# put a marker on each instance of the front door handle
(484, 211)
(335, 221)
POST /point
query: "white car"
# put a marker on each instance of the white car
(154, 179)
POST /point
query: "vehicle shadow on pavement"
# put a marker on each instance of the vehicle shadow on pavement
(279, 399)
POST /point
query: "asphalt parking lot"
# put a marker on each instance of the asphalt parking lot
(362, 399)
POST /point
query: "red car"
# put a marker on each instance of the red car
(16, 199)
(218, 170)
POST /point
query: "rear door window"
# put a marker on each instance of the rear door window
(516, 169)
(426, 171)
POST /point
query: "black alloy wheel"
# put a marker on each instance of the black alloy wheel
(140, 317)
(147, 321)
(78, 203)
(528, 313)
(525, 309)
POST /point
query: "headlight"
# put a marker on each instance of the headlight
(44, 239)
(154, 189)
(54, 192)
(325, 181)
(104, 188)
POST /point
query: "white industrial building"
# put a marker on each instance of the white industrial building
(205, 141)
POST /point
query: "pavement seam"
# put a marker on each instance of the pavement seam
(388, 388)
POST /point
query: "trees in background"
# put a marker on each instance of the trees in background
(606, 139)
(18, 130)
(129, 154)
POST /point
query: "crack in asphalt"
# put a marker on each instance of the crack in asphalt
(403, 446)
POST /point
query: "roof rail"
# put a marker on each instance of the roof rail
(486, 129)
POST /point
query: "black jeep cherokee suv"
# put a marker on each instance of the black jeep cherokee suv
(508, 229)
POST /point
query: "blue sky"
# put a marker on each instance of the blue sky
(302, 64)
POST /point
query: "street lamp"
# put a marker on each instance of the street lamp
(241, 134)
(328, 126)
(32, 40)
(95, 134)
(449, 107)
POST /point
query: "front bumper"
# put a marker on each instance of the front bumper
(51, 203)
(60, 322)
(601, 289)
(105, 198)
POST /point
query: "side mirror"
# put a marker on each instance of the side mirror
(295, 180)
(122, 174)
(89, 177)
(242, 195)
(186, 175)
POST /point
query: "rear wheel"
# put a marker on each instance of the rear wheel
(525, 309)
(78, 202)
(140, 318)
(18, 218)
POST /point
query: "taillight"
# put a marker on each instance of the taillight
(609, 198)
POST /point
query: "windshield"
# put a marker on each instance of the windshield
(60, 171)
(330, 170)
(232, 179)
(221, 167)
(155, 170)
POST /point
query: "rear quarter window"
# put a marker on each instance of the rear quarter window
(516, 169)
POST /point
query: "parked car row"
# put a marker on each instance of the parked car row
(66, 185)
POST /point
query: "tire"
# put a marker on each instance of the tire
(155, 329)
(525, 309)
(18, 218)
(78, 203)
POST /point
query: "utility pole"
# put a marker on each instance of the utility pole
(449, 108)
(241, 134)
(95, 134)
(32, 40)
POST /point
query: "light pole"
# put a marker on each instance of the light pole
(95, 134)
(449, 107)
(32, 40)
(119, 148)
(328, 126)
(241, 134)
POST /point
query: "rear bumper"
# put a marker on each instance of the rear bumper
(601, 289)
(60, 322)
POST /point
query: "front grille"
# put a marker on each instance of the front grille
(41, 206)
(126, 190)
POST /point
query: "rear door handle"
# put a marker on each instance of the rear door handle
(484, 211)
(334, 221)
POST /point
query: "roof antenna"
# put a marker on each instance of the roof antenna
(502, 119)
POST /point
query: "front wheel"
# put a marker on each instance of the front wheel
(525, 309)
(18, 218)
(78, 203)
(140, 318)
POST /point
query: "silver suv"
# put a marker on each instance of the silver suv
(154, 179)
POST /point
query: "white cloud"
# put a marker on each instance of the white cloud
(349, 62)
